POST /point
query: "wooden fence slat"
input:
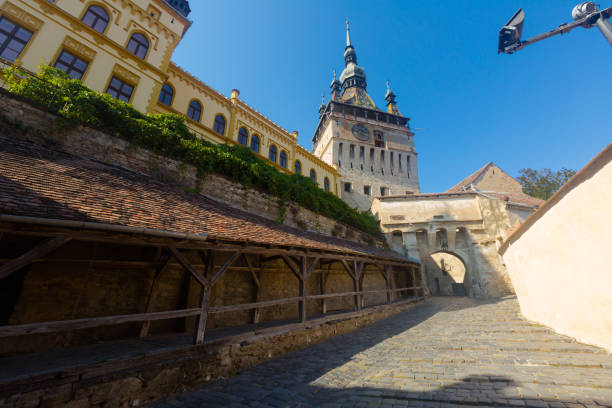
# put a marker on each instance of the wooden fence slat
(50, 327)
(246, 306)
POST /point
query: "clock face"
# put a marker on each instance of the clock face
(361, 132)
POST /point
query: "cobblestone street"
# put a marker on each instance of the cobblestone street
(446, 352)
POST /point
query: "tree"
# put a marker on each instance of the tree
(543, 183)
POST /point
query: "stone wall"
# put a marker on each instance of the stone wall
(92, 143)
(469, 226)
(146, 378)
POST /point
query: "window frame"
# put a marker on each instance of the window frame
(166, 84)
(139, 44)
(283, 159)
(123, 84)
(75, 58)
(326, 184)
(297, 167)
(313, 175)
(242, 132)
(191, 102)
(255, 140)
(272, 149)
(12, 36)
(348, 187)
(219, 116)
(108, 15)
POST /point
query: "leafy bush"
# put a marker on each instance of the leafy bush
(168, 135)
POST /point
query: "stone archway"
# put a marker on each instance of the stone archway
(446, 272)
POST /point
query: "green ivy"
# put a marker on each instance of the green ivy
(168, 135)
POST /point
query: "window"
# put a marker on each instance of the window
(71, 64)
(243, 136)
(119, 89)
(340, 154)
(194, 112)
(13, 39)
(347, 187)
(272, 154)
(379, 140)
(282, 159)
(391, 161)
(366, 190)
(297, 167)
(382, 162)
(372, 160)
(138, 45)
(219, 125)
(384, 191)
(255, 143)
(408, 166)
(326, 184)
(97, 18)
(166, 94)
(399, 161)
(313, 176)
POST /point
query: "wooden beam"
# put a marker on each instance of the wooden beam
(254, 305)
(202, 317)
(322, 282)
(310, 268)
(50, 327)
(259, 293)
(224, 267)
(291, 266)
(387, 274)
(44, 248)
(182, 259)
(302, 293)
(162, 264)
(347, 268)
(251, 269)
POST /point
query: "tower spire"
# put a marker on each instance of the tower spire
(390, 98)
(348, 36)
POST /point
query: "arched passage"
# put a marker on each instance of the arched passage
(446, 273)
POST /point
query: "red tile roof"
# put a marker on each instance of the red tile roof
(39, 182)
(471, 179)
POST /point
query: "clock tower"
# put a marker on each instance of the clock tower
(373, 149)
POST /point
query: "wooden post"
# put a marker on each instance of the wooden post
(358, 267)
(161, 265)
(257, 280)
(302, 307)
(198, 334)
(322, 281)
(414, 282)
(387, 274)
(355, 283)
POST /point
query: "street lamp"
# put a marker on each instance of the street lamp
(585, 15)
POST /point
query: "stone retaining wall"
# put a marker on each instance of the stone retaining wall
(143, 379)
(88, 142)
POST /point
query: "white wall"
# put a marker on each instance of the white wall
(559, 263)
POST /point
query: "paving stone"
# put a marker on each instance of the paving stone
(447, 352)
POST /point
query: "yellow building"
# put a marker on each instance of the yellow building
(124, 47)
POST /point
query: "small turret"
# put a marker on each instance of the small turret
(335, 88)
(322, 107)
(182, 6)
(390, 98)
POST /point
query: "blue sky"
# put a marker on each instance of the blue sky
(547, 106)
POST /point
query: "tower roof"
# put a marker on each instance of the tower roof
(353, 78)
(182, 6)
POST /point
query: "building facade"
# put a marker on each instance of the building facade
(457, 233)
(372, 149)
(124, 47)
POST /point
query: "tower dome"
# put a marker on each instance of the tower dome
(353, 74)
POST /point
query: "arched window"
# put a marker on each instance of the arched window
(194, 112)
(282, 159)
(297, 167)
(313, 176)
(166, 94)
(272, 154)
(97, 18)
(326, 184)
(219, 125)
(243, 136)
(138, 45)
(255, 143)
